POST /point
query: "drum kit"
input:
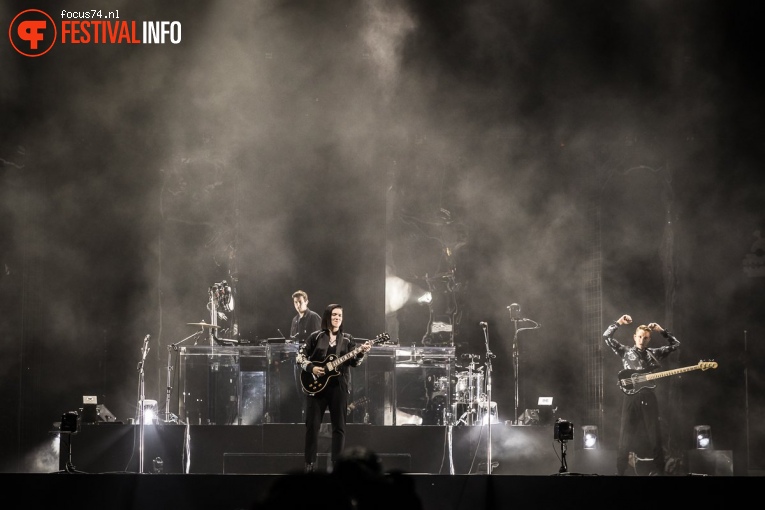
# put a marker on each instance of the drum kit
(460, 399)
(470, 406)
(468, 403)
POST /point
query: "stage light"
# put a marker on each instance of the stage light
(703, 434)
(484, 416)
(589, 437)
(564, 430)
(70, 422)
(150, 412)
(426, 298)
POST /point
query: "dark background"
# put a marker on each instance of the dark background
(292, 145)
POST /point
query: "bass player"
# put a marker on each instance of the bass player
(640, 411)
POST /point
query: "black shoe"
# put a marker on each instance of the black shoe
(309, 467)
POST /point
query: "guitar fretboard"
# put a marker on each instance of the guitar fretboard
(659, 375)
(339, 361)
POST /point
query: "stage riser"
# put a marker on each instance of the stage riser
(278, 449)
(110, 447)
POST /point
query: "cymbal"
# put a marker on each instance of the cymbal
(202, 324)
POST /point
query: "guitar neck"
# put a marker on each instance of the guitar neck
(345, 357)
(658, 375)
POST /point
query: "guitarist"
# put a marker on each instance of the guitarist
(640, 410)
(320, 344)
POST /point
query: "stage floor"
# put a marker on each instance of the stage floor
(277, 449)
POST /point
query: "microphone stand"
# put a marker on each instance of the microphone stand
(489, 356)
(141, 398)
(213, 316)
(170, 348)
(516, 364)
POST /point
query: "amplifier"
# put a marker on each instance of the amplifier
(96, 413)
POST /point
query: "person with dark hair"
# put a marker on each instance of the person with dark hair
(306, 321)
(363, 476)
(328, 385)
(640, 417)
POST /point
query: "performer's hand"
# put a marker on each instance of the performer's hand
(655, 327)
(366, 347)
(624, 319)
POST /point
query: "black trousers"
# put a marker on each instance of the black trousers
(334, 398)
(640, 430)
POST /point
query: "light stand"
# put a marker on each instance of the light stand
(221, 298)
(563, 463)
(141, 398)
(489, 357)
(564, 431)
(515, 312)
(70, 424)
(170, 417)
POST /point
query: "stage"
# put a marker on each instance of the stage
(229, 467)
(276, 449)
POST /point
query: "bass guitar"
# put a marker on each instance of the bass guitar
(360, 403)
(313, 384)
(632, 381)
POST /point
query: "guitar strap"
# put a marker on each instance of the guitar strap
(658, 364)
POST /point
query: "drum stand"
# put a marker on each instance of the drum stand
(170, 417)
(470, 415)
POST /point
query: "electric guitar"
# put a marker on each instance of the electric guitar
(357, 403)
(632, 381)
(313, 384)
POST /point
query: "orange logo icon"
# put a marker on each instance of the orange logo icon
(32, 33)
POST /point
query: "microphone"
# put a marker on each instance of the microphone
(483, 324)
(515, 312)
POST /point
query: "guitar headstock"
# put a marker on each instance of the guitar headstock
(706, 365)
(363, 401)
(382, 337)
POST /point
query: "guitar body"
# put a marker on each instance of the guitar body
(633, 381)
(314, 384)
